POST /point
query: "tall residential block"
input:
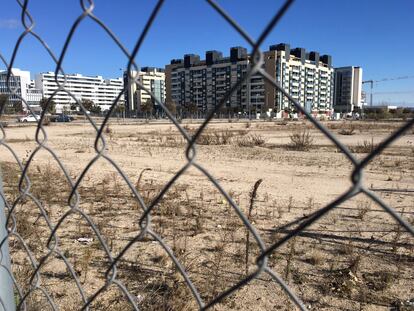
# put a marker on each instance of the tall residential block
(191, 81)
(348, 89)
(100, 91)
(204, 83)
(308, 77)
(152, 79)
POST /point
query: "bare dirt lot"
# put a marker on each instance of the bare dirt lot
(354, 258)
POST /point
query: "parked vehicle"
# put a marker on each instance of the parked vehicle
(29, 118)
(62, 118)
(80, 112)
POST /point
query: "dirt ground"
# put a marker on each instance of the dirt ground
(354, 258)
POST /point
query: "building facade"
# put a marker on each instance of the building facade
(348, 89)
(308, 78)
(20, 82)
(153, 79)
(34, 96)
(100, 91)
(203, 83)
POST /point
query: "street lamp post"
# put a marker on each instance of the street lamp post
(249, 97)
(123, 91)
(248, 108)
(256, 96)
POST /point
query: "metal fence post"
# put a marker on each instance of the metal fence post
(6, 284)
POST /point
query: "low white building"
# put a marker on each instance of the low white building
(19, 82)
(102, 92)
(34, 95)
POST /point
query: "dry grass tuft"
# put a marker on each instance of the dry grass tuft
(301, 140)
(216, 138)
(251, 140)
(347, 129)
(367, 146)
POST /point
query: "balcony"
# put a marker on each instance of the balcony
(294, 83)
(256, 81)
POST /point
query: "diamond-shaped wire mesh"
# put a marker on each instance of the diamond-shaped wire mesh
(146, 231)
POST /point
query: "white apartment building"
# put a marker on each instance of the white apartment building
(34, 96)
(101, 91)
(20, 82)
(153, 79)
(348, 89)
(308, 77)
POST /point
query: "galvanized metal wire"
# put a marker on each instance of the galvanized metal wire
(41, 138)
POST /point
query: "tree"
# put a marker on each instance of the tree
(66, 109)
(4, 101)
(18, 107)
(172, 107)
(192, 109)
(8, 106)
(223, 110)
(50, 104)
(147, 107)
(235, 111)
(95, 109)
(87, 104)
(120, 108)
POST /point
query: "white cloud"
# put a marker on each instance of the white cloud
(10, 23)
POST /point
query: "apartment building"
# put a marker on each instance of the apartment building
(348, 89)
(102, 92)
(153, 79)
(34, 96)
(307, 76)
(191, 81)
(19, 82)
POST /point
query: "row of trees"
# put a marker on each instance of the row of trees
(17, 107)
(148, 109)
(11, 107)
(383, 113)
(88, 104)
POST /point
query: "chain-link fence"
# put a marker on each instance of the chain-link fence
(22, 295)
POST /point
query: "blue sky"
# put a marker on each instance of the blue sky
(376, 35)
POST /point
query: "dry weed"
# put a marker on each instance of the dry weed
(365, 147)
(251, 140)
(301, 141)
(347, 129)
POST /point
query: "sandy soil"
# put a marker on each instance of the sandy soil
(354, 258)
